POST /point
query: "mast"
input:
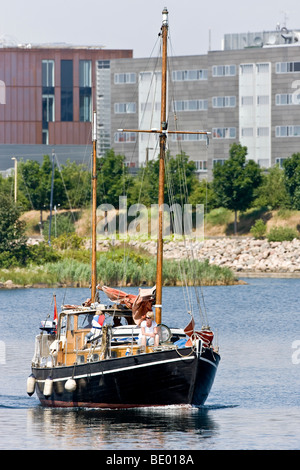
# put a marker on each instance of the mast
(161, 181)
(94, 209)
(162, 139)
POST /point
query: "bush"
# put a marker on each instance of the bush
(280, 234)
(258, 230)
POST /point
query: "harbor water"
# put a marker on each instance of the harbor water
(254, 403)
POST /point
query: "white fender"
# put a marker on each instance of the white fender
(31, 385)
(70, 385)
(48, 387)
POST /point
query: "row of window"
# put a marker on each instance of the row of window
(66, 84)
(48, 72)
(217, 102)
(217, 71)
(219, 133)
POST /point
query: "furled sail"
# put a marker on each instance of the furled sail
(139, 304)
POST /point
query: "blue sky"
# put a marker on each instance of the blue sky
(134, 24)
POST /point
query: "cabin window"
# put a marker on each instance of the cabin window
(84, 321)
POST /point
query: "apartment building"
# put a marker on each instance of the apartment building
(47, 95)
(248, 92)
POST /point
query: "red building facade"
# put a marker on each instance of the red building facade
(48, 94)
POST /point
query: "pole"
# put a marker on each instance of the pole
(16, 177)
(51, 198)
(94, 209)
(162, 138)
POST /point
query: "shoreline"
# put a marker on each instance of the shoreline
(246, 257)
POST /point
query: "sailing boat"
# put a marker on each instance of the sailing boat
(85, 359)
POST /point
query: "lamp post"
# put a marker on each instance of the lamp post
(16, 176)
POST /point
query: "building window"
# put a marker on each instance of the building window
(224, 133)
(48, 108)
(201, 165)
(125, 137)
(246, 69)
(189, 137)
(263, 100)
(85, 73)
(287, 67)
(287, 99)
(287, 131)
(66, 81)
(279, 162)
(247, 131)
(224, 71)
(103, 64)
(85, 90)
(247, 100)
(263, 132)
(218, 161)
(224, 102)
(262, 68)
(121, 78)
(191, 105)
(125, 108)
(189, 75)
(48, 73)
(2, 92)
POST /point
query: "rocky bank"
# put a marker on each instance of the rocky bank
(242, 255)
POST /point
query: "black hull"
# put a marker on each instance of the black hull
(171, 377)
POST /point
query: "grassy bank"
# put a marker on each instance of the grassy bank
(116, 272)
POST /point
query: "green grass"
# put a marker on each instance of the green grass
(119, 272)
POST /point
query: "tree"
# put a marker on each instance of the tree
(235, 181)
(292, 179)
(180, 180)
(112, 178)
(13, 247)
(272, 192)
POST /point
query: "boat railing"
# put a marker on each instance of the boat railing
(44, 354)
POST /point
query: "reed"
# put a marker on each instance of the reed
(126, 271)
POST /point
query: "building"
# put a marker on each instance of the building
(47, 94)
(248, 92)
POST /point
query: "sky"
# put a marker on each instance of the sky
(135, 24)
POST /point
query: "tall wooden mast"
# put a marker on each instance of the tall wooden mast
(163, 131)
(161, 184)
(94, 209)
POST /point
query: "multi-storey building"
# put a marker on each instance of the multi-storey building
(248, 92)
(47, 94)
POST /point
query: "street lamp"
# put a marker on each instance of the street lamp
(16, 176)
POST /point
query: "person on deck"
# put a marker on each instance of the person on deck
(97, 323)
(149, 331)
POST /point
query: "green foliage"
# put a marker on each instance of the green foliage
(202, 193)
(280, 234)
(62, 223)
(71, 186)
(67, 241)
(180, 181)
(42, 253)
(272, 192)
(258, 230)
(112, 178)
(235, 181)
(292, 179)
(13, 247)
(219, 216)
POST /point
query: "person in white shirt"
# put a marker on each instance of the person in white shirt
(149, 331)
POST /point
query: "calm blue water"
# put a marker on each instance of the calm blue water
(254, 403)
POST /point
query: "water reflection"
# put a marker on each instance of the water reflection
(151, 428)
